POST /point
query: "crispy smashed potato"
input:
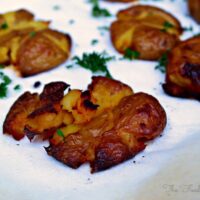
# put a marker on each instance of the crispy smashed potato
(146, 29)
(183, 70)
(34, 114)
(194, 7)
(114, 136)
(30, 45)
(104, 125)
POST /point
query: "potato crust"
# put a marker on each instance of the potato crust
(30, 45)
(114, 136)
(183, 70)
(194, 8)
(146, 29)
(104, 125)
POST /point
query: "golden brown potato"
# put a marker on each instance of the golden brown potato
(194, 8)
(42, 52)
(147, 30)
(26, 113)
(31, 45)
(113, 136)
(104, 125)
(183, 70)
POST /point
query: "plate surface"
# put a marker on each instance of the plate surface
(160, 172)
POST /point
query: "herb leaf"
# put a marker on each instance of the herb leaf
(166, 26)
(162, 63)
(100, 12)
(60, 133)
(4, 25)
(131, 55)
(95, 62)
(4, 85)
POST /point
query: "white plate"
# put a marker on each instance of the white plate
(169, 162)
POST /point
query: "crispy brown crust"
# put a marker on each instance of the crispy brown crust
(183, 70)
(115, 136)
(104, 125)
(142, 29)
(30, 106)
(194, 8)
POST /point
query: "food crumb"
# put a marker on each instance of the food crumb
(37, 84)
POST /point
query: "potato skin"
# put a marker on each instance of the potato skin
(114, 136)
(31, 46)
(194, 8)
(142, 29)
(40, 53)
(30, 106)
(183, 70)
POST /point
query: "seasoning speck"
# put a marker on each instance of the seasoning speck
(37, 84)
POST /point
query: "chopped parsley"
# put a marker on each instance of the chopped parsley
(188, 28)
(130, 54)
(94, 42)
(60, 133)
(166, 26)
(4, 25)
(97, 11)
(17, 87)
(95, 62)
(162, 63)
(2, 66)
(4, 85)
(32, 34)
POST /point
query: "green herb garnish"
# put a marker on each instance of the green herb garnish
(95, 62)
(4, 85)
(94, 42)
(17, 87)
(32, 34)
(130, 54)
(60, 133)
(162, 63)
(97, 11)
(166, 26)
(4, 25)
(2, 66)
(100, 12)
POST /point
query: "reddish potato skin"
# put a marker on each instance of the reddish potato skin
(137, 118)
(194, 8)
(38, 53)
(183, 70)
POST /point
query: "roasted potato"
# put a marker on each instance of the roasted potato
(30, 45)
(194, 8)
(113, 136)
(147, 30)
(104, 125)
(33, 114)
(183, 70)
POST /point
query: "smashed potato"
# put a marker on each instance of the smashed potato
(183, 70)
(147, 30)
(113, 136)
(194, 8)
(30, 45)
(104, 125)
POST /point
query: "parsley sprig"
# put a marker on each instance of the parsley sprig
(162, 63)
(95, 62)
(97, 11)
(130, 54)
(5, 81)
